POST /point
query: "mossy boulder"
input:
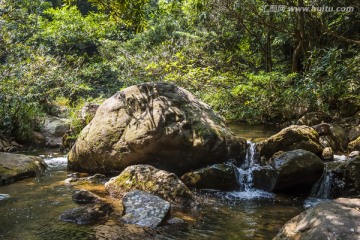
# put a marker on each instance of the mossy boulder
(219, 176)
(158, 124)
(346, 179)
(355, 145)
(15, 167)
(297, 171)
(152, 180)
(291, 138)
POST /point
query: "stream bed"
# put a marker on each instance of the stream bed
(33, 211)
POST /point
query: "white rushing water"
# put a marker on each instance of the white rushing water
(245, 178)
(56, 163)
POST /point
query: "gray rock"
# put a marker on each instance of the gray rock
(338, 219)
(14, 167)
(297, 171)
(332, 135)
(264, 178)
(354, 133)
(83, 196)
(54, 129)
(87, 214)
(218, 176)
(313, 118)
(158, 124)
(144, 209)
(152, 180)
(346, 179)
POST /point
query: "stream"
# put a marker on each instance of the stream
(33, 210)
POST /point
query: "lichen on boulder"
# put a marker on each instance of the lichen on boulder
(15, 167)
(158, 124)
(291, 138)
(149, 179)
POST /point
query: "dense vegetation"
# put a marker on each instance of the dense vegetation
(249, 64)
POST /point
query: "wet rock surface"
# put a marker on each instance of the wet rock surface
(297, 171)
(86, 214)
(337, 219)
(83, 196)
(144, 209)
(218, 176)
(346, 179)
(14, 167)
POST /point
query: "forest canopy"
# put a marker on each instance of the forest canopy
(254, 61)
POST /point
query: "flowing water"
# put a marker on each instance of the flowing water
(33, 210)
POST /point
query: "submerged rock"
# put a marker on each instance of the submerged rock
(158, 124)
(83, 196)
(14, 167)
(297, 171)
(76, 178)
(332, 135)
(218, 176)
(346, 179)
(151, 180)
(338, 219)
(291, 138)
(144, 209)
(87, 214)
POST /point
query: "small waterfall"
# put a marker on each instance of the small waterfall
(245, 176)
(245, 171)
(322, 189)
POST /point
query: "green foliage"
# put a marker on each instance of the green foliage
(248, 64)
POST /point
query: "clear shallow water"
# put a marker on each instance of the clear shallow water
(33, 211)
(253, 133)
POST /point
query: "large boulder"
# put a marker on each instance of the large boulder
(149, 179)
(86, 214)
(355, 145)
(313, 118)
(297, 171)
(291, 138)
(332, 135)
(338, 219)
(158, 124)
(54, 128)
(219, 176)
(346, 179)
(144, 209)
(14, 167)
